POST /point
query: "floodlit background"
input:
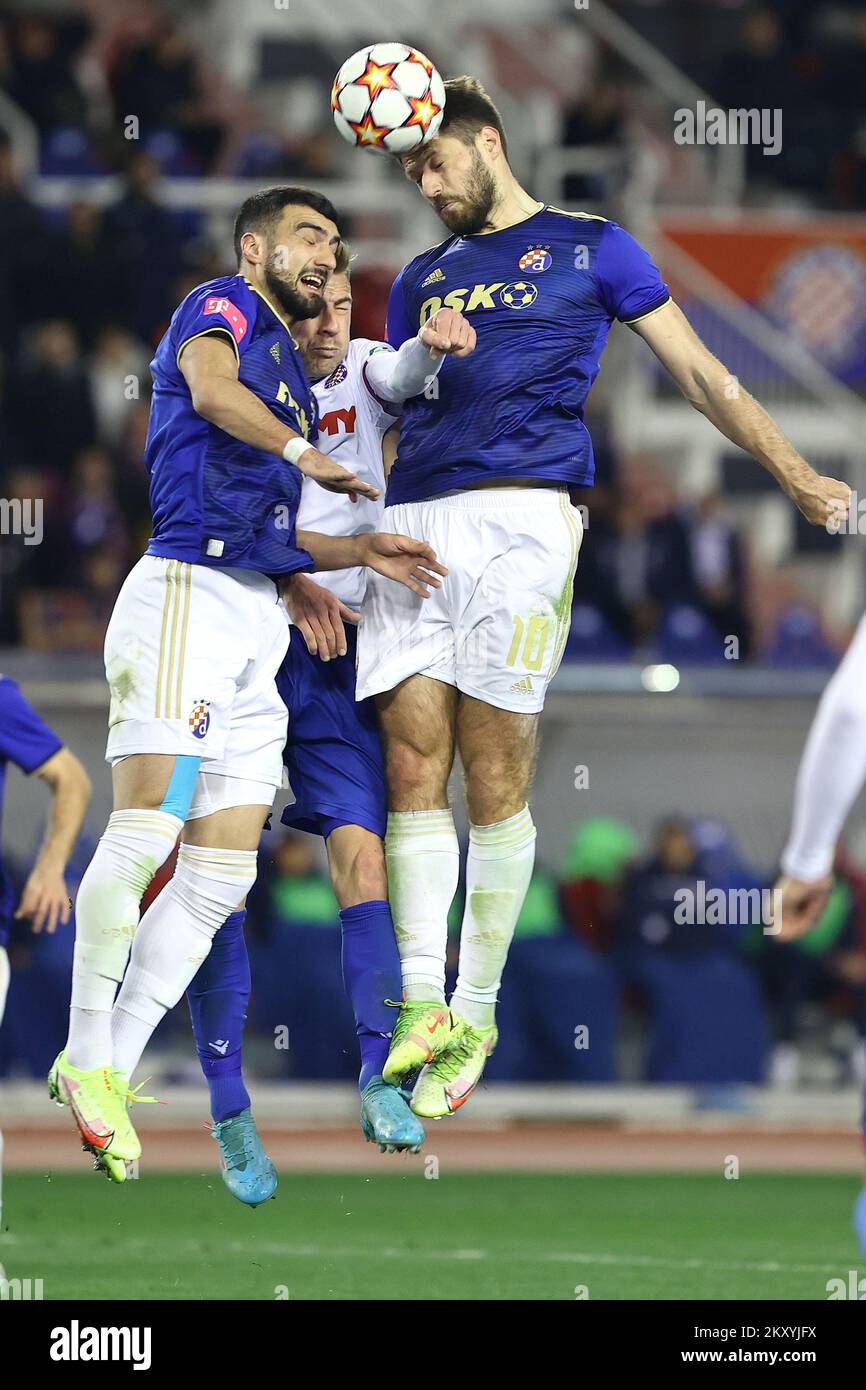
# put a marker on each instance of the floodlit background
(707, 616)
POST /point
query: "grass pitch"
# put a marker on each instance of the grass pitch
(478, 1236)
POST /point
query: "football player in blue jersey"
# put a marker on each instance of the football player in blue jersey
(196, 726)
(28, 743)
(333, 751)
(483, 472)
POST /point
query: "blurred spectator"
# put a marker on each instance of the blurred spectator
(118, 371)
(292, 888)
(25, 288)
(596, 123)
(148, 244)
(88, 274)
(40, 75)
(48, 413)
(595, 865)
(718, 566)
(632, 568)
(160, 83)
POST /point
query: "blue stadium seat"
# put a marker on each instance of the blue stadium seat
(552, 986)
(686, 637)
(297, 984)
(170, 154)
(798, 640)
(591, 638)
(707, 1024)
(67, 152)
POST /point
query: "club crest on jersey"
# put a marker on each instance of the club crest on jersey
(199, 719)
(536, 259)
(519, 294)
(337, 375)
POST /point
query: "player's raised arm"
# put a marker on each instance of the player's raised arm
(401, 558)
(706, 383)
(398, 375)
(210, 368)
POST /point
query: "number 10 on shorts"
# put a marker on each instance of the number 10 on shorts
(529, 642)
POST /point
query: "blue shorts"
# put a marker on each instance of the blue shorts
(334, 751)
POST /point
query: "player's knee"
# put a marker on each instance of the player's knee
(357, 864)
(494, 792)
(417, 781)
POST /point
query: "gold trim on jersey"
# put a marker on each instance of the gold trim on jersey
(175, 621)
(649, 313)
(587, 216)
(206, 333)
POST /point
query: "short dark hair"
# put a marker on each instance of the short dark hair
(468, 109)
(261, 210)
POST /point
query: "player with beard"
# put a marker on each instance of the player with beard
(333, 751)
(196, 726)
(483, 472)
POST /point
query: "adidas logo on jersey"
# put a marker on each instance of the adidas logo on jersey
(435, 275)
(522, 687)
(274, 350)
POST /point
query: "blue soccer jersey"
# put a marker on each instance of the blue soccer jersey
(541, 296)
(27, 741)
(215, 500)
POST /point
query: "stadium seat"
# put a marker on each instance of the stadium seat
(170, 154)
(798, 640)
(552, 986)
(707, 1024)
(591, 638)
(686, 637)
(66, 153)
(297, 984)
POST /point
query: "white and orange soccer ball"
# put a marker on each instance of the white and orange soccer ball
(389, 98)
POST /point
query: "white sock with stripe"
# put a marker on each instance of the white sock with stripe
(423, 859)
(498, 870)
(174, 937)
(134, 846)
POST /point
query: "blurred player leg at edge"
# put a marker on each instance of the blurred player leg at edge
(831, 775)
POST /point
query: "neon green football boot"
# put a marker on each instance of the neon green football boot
(448, 1082)
(99, 1101)
(424, 1030)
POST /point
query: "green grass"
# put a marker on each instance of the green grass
(478, 1236)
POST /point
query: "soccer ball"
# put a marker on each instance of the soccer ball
(389, 98)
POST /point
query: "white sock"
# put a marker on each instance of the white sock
(135, 844)
(174, 937)
(423, 859)
(498, 871)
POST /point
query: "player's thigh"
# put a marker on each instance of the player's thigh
(418, 721)
(236, 827)
(356, 859)
(498, 751)
(512, 631)
(402, 634)
(154, 781)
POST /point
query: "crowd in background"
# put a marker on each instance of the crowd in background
(86, 293)
(611, 976)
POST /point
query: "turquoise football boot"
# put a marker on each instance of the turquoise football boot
(387, 1120)
(247, 1171)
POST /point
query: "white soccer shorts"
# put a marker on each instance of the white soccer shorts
(497, 627)
(191, 656)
